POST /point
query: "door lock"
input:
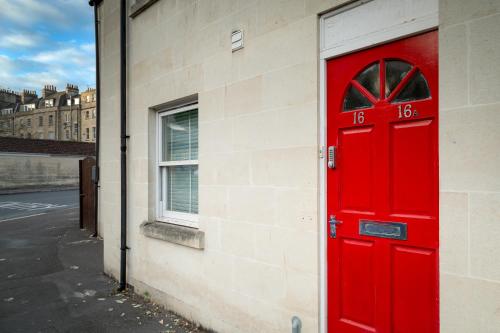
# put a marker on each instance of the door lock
(332, 152)
(333, 226)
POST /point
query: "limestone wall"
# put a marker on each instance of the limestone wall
(22, 171)
(469, 165)
(258, 160)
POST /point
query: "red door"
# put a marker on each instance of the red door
(382, 188)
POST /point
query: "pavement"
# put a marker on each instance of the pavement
(51, 276)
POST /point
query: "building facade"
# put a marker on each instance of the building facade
(56, 115)
(327, 159)
(88, 116)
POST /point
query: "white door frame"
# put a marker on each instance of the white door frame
(342, 31)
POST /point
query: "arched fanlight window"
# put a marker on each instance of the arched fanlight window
(400, 81)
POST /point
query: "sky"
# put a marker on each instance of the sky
(46, 42)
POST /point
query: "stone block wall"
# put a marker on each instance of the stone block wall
(258, 159)
(20, 171)
(470, 165)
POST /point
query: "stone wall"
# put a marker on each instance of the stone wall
(470, 165)
(30, 171)
(258, 160)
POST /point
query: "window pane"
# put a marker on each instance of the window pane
(417, 88)
(194, 135)
(182, 189)
(180, 136)
(395, 71)
(355, 100)
(194, 189)
(370, 79)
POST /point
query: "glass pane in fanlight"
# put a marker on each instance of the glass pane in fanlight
(415, 89)
(370, 79)
(395, 71)
(355, 100)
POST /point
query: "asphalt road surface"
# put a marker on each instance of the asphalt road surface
(16, 206)
(51, 274)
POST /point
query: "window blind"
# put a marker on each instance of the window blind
(180, 136)
(180, 143)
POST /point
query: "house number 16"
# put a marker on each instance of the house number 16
(358, 117)
(406, 111)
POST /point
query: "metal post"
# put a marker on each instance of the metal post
(296, 324)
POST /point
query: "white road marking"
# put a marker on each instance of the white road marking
(22, 217)
(29, 206)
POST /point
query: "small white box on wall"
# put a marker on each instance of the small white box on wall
(236, 40)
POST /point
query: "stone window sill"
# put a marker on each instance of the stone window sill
(139, 6)
(173, 233)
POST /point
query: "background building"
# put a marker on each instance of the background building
(88, 115)
(56, 115)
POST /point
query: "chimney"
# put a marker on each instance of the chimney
(72, 89)
(28, 96)
(48, 90)
(9, 96)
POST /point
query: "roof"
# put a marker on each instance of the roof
(53, 147)
(58, 96)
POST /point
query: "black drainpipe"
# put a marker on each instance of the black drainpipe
(95, 4)
(123, 144)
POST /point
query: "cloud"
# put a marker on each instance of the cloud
(88, 47)
(28, 12)
(15, 40)
(46, 42)
(75, 55)
(66, 65)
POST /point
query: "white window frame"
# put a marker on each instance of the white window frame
(179, 218)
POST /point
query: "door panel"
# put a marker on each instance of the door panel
(382, 194)
(410, 171)
(356, 187)
(357, 282)
(413, 289)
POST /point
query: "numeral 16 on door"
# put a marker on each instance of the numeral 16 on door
(406, 111)
(358, 117)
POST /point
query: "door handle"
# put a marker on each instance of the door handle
(333, 226)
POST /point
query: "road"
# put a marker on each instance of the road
(51, 275)
(15, 206)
